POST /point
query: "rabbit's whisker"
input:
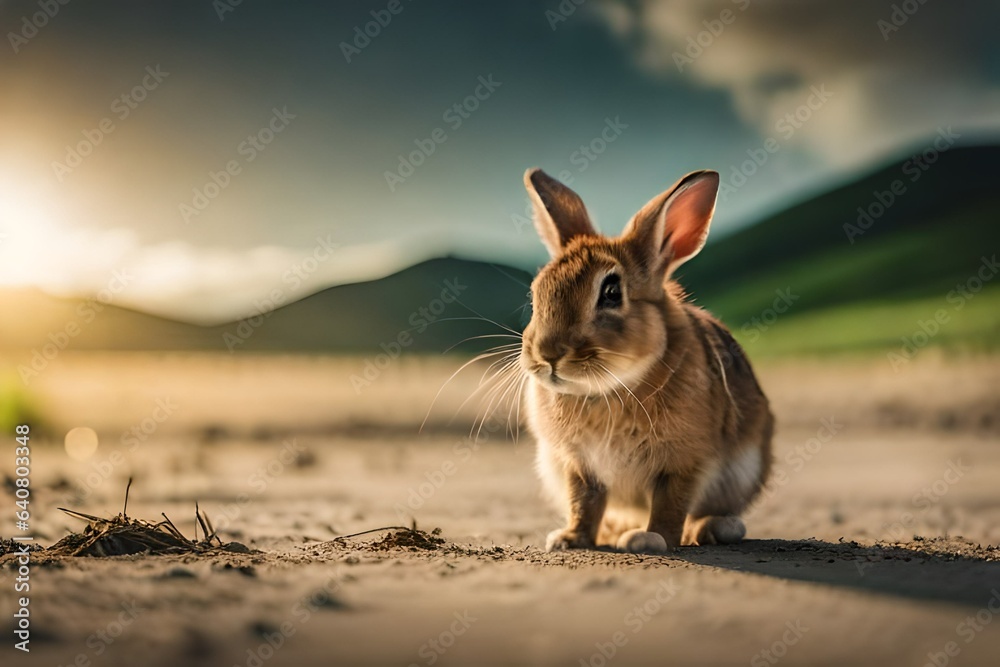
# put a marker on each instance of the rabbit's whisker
(498, 381)
(497, 397)
(510, 396)
(511, 353)
(479, 357)
(466, 340)
(625, 387)
(611, 419)
(506, 362)
(517, 401)
(486, 319)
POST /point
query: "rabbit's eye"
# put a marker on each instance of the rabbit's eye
(611, 292)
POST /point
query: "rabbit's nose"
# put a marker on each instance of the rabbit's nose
(551, 350)
(552, 358)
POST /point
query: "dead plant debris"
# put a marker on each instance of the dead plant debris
(122, 535)
(402, 537)
(11, 546)
(411, 538)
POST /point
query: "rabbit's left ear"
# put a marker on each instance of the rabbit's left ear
(559, 212)
(673, 227)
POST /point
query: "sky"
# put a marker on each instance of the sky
(189, 158)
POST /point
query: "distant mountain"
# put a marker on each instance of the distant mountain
(428, 307)
(858, 278)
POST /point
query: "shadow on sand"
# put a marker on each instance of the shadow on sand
(942, 569)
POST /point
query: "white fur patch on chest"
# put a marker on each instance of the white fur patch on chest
(618, 468)
(623, 462)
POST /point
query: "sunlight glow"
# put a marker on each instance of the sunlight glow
(81, 443)
(43, 247)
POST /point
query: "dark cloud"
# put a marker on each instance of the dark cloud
(895, 71)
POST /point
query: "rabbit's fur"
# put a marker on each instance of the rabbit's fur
(652, 429)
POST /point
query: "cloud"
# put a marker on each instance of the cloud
(197, 283)
(892, 84)
(177, 279)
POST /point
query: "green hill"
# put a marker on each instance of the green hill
(865, 288)
(428, 307)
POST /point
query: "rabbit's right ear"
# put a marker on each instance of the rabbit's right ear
(559, 212)
(673, 227)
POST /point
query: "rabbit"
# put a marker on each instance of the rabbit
(652, 429)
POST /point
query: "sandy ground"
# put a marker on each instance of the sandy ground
(877, 544)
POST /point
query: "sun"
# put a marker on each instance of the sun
(25, 224)
(39, 245)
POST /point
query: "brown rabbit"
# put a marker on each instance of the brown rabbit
(652, 430)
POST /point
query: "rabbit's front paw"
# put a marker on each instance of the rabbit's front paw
(642, 542)
(566, 538)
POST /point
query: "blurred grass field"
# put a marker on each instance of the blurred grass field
(878, 328)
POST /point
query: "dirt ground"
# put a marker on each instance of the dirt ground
(876, 543)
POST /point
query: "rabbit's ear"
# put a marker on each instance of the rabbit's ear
(559, 212)
(673, 226)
